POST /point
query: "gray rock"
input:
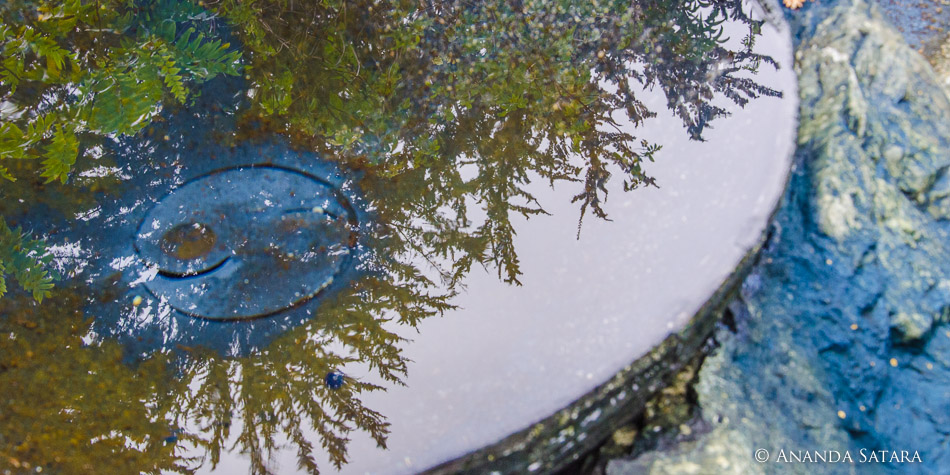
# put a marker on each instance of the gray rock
(841, 342)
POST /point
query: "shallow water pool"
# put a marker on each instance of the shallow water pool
(362, 236)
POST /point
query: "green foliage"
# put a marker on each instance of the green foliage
(74, 73)
(94, 67)
(26, 260)
(60, 154)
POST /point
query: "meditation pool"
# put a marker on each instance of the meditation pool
(370, 237)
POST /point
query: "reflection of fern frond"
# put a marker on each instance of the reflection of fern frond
(102, 70)
(26, 260)
(203, 57)
(280, 393)
(73, 73)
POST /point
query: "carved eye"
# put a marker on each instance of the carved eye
(188, 241)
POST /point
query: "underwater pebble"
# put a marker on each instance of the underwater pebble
(335, 380)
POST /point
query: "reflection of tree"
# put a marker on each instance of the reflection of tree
(510, 90)
(278, 392)
(281, 393)
(445, 108)
(70, 410)
(120, 419)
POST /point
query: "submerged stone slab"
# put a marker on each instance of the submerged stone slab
(246, 242)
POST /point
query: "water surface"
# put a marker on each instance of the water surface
(415, 197)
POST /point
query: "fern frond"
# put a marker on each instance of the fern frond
(206, 59)
(48, 49)
(26, 259)
(12, 70)
(171, 75)
(39, 126)
(60, 155)
(11, 141)
(122, 102)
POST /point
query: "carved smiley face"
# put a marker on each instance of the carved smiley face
(246, 242)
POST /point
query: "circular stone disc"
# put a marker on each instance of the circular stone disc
(244, 242)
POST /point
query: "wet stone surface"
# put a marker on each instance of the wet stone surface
(246, 242)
